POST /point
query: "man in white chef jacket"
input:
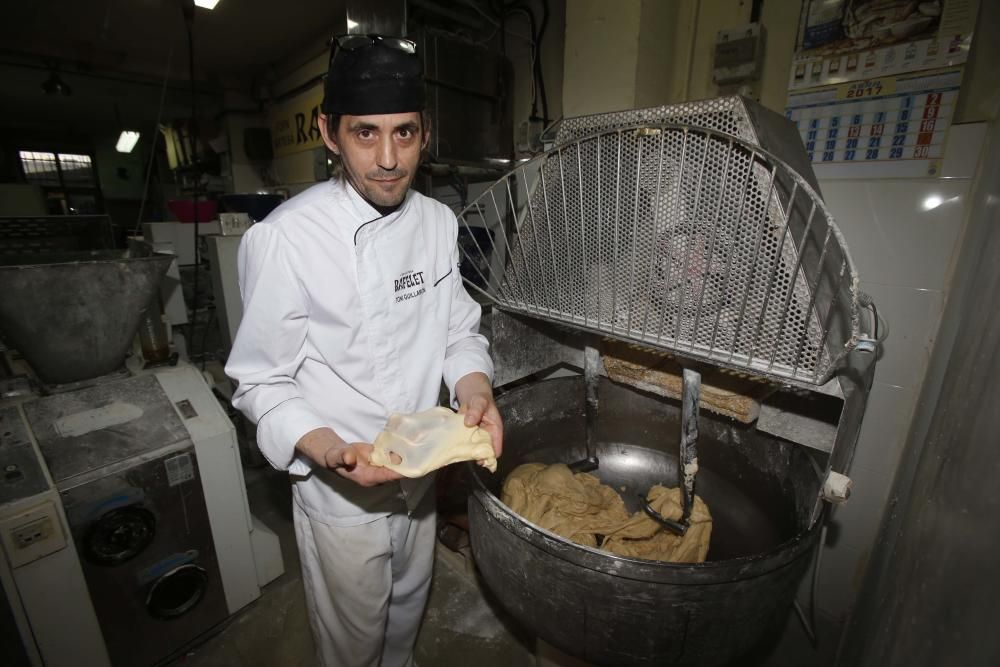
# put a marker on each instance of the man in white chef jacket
(354, 309)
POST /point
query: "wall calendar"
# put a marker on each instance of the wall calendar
(901, 120)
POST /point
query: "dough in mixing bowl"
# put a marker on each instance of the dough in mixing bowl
(578, 507)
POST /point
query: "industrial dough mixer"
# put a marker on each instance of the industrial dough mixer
(696, 232)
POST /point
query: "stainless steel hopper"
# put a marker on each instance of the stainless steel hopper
(73, 316)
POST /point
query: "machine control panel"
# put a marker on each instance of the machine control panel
(32, 533)
(234, 224)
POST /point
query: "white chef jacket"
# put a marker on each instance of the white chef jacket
(348, 317)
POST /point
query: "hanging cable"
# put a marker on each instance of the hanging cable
(538, 62)
(521, 9)
(809, 621)
(152, 149)
(537, 34)
(503, 33)
(880, 328)
(479, 10)
(880, 337)
(187, 9)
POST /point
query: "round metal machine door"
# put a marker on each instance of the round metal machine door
(177, 591)
(623, 611)
(119, 535)
(124, 533)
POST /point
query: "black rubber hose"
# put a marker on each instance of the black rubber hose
(537, 35)
(187, 8)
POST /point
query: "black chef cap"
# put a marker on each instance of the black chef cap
(377, 77)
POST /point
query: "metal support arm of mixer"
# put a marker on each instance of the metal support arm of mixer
(591, 375)
(855, 382)
(687, 456)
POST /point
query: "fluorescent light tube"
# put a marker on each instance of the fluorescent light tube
(127, 141)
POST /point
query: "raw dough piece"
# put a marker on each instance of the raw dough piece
(429, 440)
(580, 508)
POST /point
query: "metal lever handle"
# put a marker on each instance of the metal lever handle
(591, 376)
(675, 527)
(688, 456)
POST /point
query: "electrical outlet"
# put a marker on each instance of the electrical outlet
(30, 534)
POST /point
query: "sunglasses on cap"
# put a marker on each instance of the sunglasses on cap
(356, 42)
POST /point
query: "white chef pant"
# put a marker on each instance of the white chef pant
(366, 586)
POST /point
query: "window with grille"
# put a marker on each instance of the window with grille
(68, 180)
(58, 169)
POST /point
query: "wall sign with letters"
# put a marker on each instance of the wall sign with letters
(295, 123)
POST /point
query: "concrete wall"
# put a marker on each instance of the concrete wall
(645, 52)
(599, 71)
(552, 50)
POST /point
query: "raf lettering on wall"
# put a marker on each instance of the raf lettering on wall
(295, 123)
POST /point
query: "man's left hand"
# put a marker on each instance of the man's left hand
(475, 399)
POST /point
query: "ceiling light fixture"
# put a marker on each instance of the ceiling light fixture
(127, 141)
(206, 4)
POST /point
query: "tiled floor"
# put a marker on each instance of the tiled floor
(462, 626)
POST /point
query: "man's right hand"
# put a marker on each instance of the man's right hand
(349, 460)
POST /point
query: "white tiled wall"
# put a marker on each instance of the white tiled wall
(904, 235)
(892, 235)
(913, 314)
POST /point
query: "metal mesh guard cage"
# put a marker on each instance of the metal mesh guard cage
(676, 237)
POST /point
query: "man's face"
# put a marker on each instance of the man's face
(380, 153)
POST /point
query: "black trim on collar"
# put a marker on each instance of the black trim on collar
(378, 209)
(444, 276)
(363, 225)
